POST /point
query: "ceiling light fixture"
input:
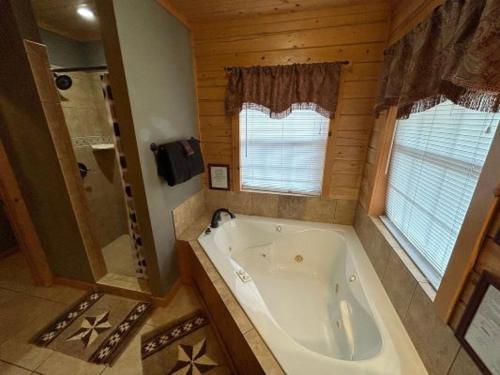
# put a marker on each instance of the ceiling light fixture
(86, 13)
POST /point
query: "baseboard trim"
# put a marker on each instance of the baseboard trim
(165, 300)
(78, 284)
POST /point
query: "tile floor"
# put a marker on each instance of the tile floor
(25, 309)
(118, 256)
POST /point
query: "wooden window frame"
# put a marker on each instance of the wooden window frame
(471, 235)
(330, 144)
(235, 182)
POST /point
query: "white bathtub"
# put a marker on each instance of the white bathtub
(313, 295)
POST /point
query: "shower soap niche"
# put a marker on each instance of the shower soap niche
(103, 146)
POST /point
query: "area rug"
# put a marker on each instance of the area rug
(185, 346)
(96, 329)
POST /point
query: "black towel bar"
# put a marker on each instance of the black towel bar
(154, 147)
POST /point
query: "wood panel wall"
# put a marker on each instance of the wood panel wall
(356, 33)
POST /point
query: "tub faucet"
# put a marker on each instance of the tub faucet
(216, 217)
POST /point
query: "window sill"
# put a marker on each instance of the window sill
(407, 261)
(279, 193)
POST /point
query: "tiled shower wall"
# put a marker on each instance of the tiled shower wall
(86, 117)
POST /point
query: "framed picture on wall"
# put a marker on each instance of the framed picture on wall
(218, 176)
(479, 328)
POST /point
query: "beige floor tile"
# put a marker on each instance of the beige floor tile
(24, 354)
(8, 369)
(17, 348)
(118, 256)
(15, 275)
(62, 364)
(19, 310)
(184, 302)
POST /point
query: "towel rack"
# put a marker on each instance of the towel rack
(154, 147)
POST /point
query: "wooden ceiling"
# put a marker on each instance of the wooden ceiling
(60, 17)
(200, 11)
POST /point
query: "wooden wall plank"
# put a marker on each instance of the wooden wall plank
(356, 33)
(202, 11)
(342, 35)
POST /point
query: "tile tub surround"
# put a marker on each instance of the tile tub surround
(316, 209)
(206, 201)
(188, 212)
(412, 297)
(248, 350)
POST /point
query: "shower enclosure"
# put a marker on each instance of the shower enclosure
(86, 111)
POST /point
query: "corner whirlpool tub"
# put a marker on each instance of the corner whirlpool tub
(312, 294)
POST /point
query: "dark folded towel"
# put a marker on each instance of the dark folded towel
(179, 161)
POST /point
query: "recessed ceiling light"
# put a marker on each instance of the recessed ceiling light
(86, 13)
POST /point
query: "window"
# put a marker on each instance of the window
(285, 155)
(436, 160)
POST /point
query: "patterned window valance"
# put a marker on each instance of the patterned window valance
(277, 90)
(454, 54)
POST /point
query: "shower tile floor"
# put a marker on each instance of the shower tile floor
(118, 256)
(25, 309)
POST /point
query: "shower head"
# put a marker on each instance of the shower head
(63, 82)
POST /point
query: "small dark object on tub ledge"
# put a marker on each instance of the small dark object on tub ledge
(216, 217)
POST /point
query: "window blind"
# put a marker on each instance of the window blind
(283, 155)
(436, 160)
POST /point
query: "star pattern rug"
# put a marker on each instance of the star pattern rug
(185, 346)
(96, 329)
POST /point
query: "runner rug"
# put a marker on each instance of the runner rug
(96, 329)
(185, 346)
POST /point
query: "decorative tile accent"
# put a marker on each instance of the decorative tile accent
(185, 346)
(91, 328)
(134, 230)
(107, 351)
(95, 328)
(51, 333)
(158, 342)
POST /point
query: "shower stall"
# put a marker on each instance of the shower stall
(87, 106)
